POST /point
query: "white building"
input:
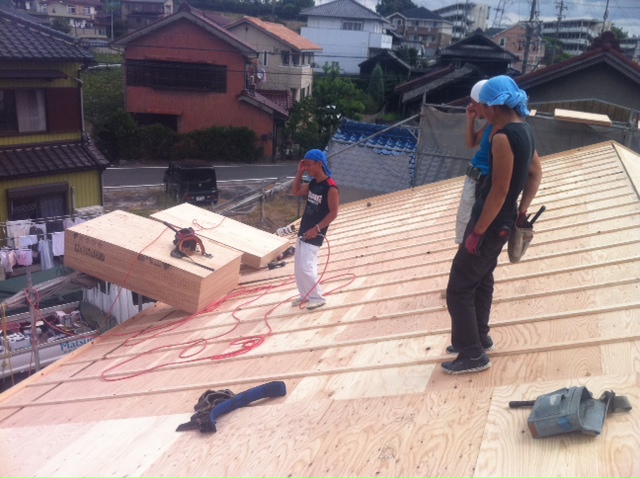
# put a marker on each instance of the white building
(575, 35)
(466, 17)
(348, 33)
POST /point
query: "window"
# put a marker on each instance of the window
(35, 202)
(503, 41)
(22, 111)
(357, 26)
(285, 57)
(87, 10)
(177, 75)
(295, 59)
(265, 59)
(71, 10)
(335, 65)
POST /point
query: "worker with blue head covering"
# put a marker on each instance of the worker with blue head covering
(320, 157)
(320, 210)
(514, 169)
(503, 91)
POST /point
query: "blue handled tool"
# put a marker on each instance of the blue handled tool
(213, 404)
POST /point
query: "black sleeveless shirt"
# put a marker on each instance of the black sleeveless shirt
(522, 144)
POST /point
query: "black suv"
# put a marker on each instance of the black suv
(192, 181)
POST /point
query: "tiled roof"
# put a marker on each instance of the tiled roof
(281, 32)
(383, 163)
(259, 100)
(22, 39)
(281, 98)
(421, 13)
(30, 161)
(477, 46)
(343, 9)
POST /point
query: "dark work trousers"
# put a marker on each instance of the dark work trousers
(470, 292)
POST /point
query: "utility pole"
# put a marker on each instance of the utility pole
(529, 34)
(560, 8)
(604, 18)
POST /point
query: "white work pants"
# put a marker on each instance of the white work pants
(464, 209)
(306, 271)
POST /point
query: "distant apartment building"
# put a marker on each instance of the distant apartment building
(465, 17)
(576, 35)
(423, 26)
(631, 47)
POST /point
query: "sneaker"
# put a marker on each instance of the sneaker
(486, 342)
(297, 302)
(466, 365)
(315, 304)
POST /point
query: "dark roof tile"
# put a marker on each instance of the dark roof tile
(343, 9)
(29, 161)
(22, 39)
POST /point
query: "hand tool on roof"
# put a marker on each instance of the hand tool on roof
(571, 409)
(187, 244)
(522, 236)
(288, 252)
(275, 265)
(213, 404)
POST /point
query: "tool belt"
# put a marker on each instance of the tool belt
(473, 172)
(571, 409)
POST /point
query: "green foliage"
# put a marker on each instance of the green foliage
(388, 7)
(284, 9)
(157, 142)
(619, 33)
(117, 138)
(376, 86)
(103, 94)
(61, 24)
(221, 144)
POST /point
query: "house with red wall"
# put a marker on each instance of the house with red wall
(187, 72)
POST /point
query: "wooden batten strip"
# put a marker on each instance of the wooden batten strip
(427, 276)
(316, 373)
(370, 340)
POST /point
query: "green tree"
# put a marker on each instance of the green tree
(103, 93)
(388, 7)
(61, 24)
(117, 138)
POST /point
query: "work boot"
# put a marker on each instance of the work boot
(485, 341)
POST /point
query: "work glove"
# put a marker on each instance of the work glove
(473, 242)
(522, 219)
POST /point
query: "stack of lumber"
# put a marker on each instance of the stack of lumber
(258, 247)
(135, 252)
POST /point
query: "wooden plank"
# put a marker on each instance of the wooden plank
(258, 247)
(135, 253)
(581, 117)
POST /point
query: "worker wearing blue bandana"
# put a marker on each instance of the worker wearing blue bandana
(514, 168)
(321, 209)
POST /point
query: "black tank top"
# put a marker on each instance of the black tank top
(316, 209)
(522, 144)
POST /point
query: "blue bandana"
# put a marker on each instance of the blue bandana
(502, 90)
(318, 156)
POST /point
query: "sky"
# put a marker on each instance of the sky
(624, 14)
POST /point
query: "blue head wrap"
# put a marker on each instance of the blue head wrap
(502, 90)
(318, 156)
